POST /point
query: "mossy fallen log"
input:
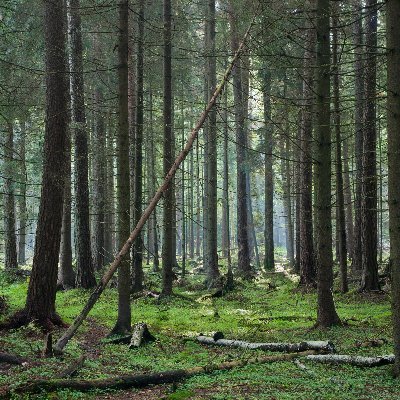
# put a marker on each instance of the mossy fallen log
(356, 361)
(142, 380)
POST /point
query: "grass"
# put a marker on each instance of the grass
(252, 312)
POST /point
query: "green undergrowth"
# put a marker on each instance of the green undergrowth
(268, 309)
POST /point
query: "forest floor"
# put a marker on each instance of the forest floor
(270, 309)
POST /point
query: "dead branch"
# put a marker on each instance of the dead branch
(357, 361)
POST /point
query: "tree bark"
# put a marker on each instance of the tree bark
(22, 209)
(40, 301)
(356, 361)
(327, 315)
(84, 264)
(393, 131)
(123, 323)
(369, 235)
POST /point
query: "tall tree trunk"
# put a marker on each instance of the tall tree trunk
(168, 250)
(137, 268)
(84, 264)
(191, 206)
(198, 201)
(307, 256)
(393, 131)
(358, 127)
(123, 323)
(341, 227)
(269, 262)
(211, 238)
(327, 315)
(40, 301)
(22, 210)
(369, 236)
(10, 238)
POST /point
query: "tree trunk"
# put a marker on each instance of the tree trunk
(22, 210)
(40, 301)
(341, 227)
(369, 236)
(307, 256)
(168, 250)
(393, 131)
(269, 263)
(327, 315)
(137, 260)
(10, 238)
(358, 127)
(84, 264)
(123, 324)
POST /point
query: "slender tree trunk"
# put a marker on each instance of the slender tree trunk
(84, 264)
(168, 251)
(307, 256)
(358, 127)
(348, 200)
(22, 209)
(137, 270)
(393, 131)
(123, 323)
(369, 236)
(10, 238)
(327, 315)
(341, 227)
(269, 262)
(198, 203)
(40, 301)
(191, 206)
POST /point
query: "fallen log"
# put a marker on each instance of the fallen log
(142, 380)
(12, 359)
(70, 332)
(324, 346)
(356, 361)
(73, 369)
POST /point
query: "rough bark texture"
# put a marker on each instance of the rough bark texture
(269, 262)
(358, 127)
(393, 131)
(356, 361)
(40, 302)
(84, 264)
(123, 324)
(168, 250)
(307, 256)
(137, 253)
(327, 315)
(341, 226)
(369, 235)
(10, 238)
(22, 210)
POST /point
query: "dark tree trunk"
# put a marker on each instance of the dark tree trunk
(348, 200)
(10, 238)
(84, 264)
(327, 315)
(40, 301)
(137, 260)
(393, 131)
(369, 236)
(168, 250)
(22, 210)
(198, 203)
(123, 324)
(307, 256)
(269, 262)
(341, 226)
(358, 127)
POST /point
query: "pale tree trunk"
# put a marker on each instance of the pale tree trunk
(123, 323)
(327, 315)
(393, 131)
(84, 264)
(369, 235)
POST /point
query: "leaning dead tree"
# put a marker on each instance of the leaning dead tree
(70, 332)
